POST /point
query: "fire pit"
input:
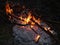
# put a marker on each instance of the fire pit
(29, 29)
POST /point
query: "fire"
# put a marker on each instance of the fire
(24, 20)
(27, 20)
(32, 24)
(36, 20)
(8, 9)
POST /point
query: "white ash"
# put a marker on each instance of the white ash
(23, 35)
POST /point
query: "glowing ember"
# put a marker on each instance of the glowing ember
(37, 38)
(46, 28)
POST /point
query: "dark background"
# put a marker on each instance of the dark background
(49, 10)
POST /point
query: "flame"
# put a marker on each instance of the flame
(8, 9)
(32, 24)
(36, 20)
(24, 20)
(37, 38)
(27, 20)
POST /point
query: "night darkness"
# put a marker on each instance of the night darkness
(49, 10)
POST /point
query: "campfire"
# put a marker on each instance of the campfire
(29, 21)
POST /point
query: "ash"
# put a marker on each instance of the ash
(23, 35)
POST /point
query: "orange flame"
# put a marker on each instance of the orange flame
(28, 19)
(8, 10)
(32, 24)
(36, 20)
(25, 20)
